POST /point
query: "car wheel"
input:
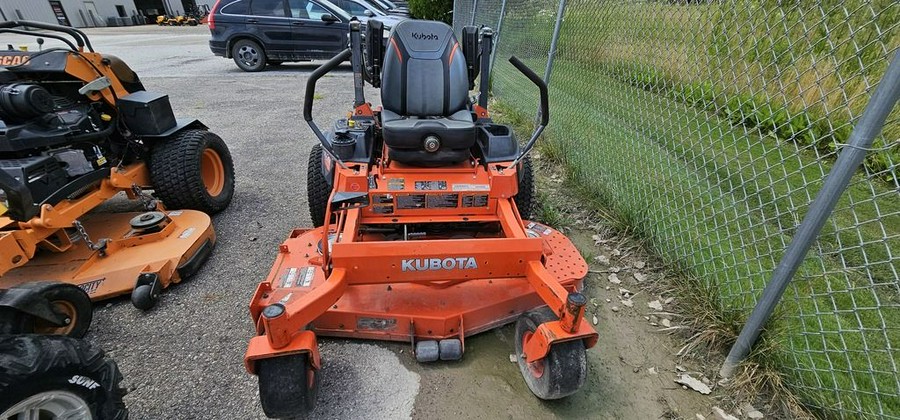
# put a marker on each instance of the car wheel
(248, 55)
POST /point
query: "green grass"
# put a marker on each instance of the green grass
(719, 197)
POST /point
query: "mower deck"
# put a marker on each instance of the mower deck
(180, 247)
(393, 311)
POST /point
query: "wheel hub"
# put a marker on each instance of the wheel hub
(50, 404)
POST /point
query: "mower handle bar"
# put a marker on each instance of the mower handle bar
(311, 93)
(80, 38)
(545, 107)
(54, 36)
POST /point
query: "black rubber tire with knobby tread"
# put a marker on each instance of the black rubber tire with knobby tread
(564, 367)
(175, 169)
(317, 188)
(284, 389)
(525, 197)
(34, 364)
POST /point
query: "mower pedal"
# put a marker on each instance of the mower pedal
(450, 349)
(427, 351)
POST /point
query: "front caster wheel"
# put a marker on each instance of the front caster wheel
(143, 297)
(562, 372)
(288, 385)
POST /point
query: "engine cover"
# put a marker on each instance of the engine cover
(43, 175)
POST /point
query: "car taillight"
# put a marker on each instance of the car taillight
(211, 20)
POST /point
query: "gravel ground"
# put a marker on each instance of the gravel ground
(184, 358)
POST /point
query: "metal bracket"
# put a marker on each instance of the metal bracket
(96, 85)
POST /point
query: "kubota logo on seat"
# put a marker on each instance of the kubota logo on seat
(422, 35)
(427, 264)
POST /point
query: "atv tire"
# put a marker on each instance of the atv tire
(248, 55)
(193, 170)
(525, 198)
(60, 376)
(317, 187)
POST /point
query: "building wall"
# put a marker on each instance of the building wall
(78, 11)
(38, 10)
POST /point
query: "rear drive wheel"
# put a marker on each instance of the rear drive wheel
(317, 188)
(525, 198)
(288, 385)
(193, 170)
(58, 377)
(559, 374)
(248, 55)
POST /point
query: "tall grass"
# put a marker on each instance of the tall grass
(709, 128)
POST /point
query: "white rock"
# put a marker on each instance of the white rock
(512, 358)
(628, 302)
(700, 417)
(639, 277)
(680, 368)
(652, 371)
(693, 383)
(668, 300)
(615, 309)
(639, 264)
(655, 305)
(616, 252)
(614, 279)
(666, 323)
(751, 412)
(602, 259)
(721, 414)
(624, 292)
(608, 300)
(595, 320)
(614, 269)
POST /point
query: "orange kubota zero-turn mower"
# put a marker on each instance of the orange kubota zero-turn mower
(420, 233)
(76, 129)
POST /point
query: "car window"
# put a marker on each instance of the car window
(304, 9)
(239, 7)
(353, 8)
(267, 8)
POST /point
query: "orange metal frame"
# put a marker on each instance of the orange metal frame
(364, 286)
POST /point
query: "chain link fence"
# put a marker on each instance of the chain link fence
(710, 126)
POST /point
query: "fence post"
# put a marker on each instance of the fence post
(552, 53)
(474, 7)
(497, 34)
(880, 105)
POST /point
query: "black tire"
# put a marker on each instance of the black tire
(71, 301)
(142, 297)
(317, 188)
(563, 370)
(248, 55)
(525, 198)
(57, 365)
(13, 321)
(177, 166)
(288, 386)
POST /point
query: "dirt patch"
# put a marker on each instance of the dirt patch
(633, 368)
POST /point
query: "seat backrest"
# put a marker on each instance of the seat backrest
(424, 71)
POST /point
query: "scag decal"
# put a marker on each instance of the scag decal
(84, 381)
(434, 264)
(14, 60)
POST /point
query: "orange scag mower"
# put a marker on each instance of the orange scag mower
(421, 236)
(76, 129)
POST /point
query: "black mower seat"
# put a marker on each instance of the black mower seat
(424, 93)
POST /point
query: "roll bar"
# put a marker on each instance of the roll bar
(80, 38)
(545, 106)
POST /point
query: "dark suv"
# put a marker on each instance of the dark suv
(259, 32)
